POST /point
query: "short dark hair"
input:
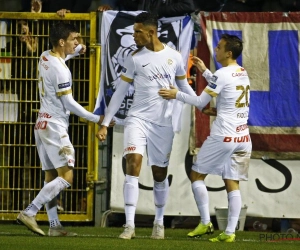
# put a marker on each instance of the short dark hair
(61, 30)
(233, 44)
(147, 18)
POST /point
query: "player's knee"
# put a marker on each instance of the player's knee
(133, 168)
(68, 179)
(159, 177)
(159, 174)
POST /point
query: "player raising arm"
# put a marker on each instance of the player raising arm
(54, 147)
(226, 152)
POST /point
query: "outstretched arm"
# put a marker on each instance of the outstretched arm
(74, 107)
(199, 101)
(184, 86)
(112, 108)
(115, 102)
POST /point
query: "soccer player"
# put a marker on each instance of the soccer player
(226, 152)
(148, 125)
(54, 147)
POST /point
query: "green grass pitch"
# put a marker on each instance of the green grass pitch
(17, 237)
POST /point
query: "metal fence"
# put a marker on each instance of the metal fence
(23, 37)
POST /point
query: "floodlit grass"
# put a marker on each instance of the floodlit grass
(17, 237)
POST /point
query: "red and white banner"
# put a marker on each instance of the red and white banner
(271, 57)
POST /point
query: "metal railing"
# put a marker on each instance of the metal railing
(23, 37)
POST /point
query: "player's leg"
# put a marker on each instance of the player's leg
(235, 171)
(234, 205)
(51, 206)
(201, 197)
(134, 147)
(159, 146)
(47, 193)
(55, 149)
(55, 227)
(210, 160)
(234, 209)
(131, 193)
(160, 193)
(56, 153)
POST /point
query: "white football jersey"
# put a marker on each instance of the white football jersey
(150, 71)
(55, 80)
(231, 87)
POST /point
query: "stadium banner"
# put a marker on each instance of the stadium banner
(117, 42)
(272, 190)
(271, 58)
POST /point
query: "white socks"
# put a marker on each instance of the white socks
(131, 195)
(48, 192)
(201, 198)
(51, 208)
(161, 192)
(234, 209)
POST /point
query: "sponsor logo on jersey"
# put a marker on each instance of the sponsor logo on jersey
(214, 79)
(44, 65)
(170, 61)
(40, 125)
(245, 138)
(241, 128)
(124, 70)
(44, 58)
(242, 115)
(144, 65)
(212, 85)
(212, 82)
(44, 115)
(240, 72)
(159, 76)
(132, 148)
(64, 85)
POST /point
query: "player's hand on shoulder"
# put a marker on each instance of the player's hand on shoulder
(199, 64)
(210, 111)
(168, 93)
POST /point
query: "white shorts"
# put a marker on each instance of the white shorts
(140, 135)
(53, 144)
(228, 157)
